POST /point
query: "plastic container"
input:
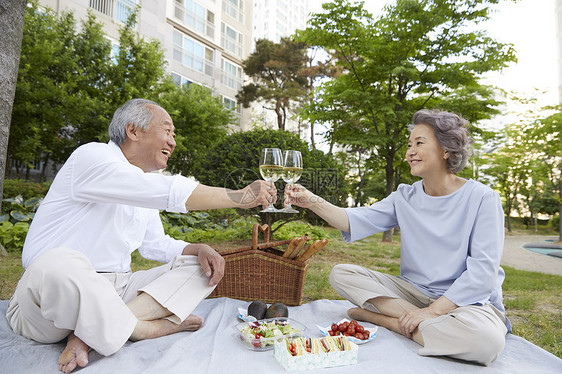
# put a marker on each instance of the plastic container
(245, 331)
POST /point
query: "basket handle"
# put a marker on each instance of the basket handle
(255, 233)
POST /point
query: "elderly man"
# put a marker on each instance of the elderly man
(103, 204)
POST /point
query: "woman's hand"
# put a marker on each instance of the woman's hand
(411, 319)
(295, 194)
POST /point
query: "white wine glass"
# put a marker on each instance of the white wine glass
(292, 171)
(271, 167)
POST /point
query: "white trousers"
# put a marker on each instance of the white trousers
(471, 333)
(61, 292)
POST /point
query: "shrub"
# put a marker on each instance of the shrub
(26, 189)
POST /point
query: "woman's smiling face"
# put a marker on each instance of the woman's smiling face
(425, 155)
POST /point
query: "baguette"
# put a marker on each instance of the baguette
(313, 249)
(299, 248)
(293, 245)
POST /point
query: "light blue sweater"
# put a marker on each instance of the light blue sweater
(451, 245)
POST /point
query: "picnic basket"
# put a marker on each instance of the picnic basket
(259, 272)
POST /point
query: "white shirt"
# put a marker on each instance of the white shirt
(450, 245)
(105, 207)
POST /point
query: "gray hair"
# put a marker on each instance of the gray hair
(451, 133)
(135, 112)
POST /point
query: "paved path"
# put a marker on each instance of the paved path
(515, 256)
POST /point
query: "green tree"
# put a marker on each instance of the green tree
(69, 87)
(59, 90)
(544, 136)
(277, 76)
(201, 121)
(139, 70)
(418, 54)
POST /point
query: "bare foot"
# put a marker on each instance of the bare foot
(192, 323)
(162, 327)
(365, 315)
(358, 314)
(75, 354)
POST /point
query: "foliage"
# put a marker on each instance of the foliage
(234, 163)
(555, 223)
(201, 122)
(277, 78)
(69, 86)
(526, 169)
(19, 210)
(12, 236)
(238, 229)
(298, 228)
(51, 94)
(418, 54)
(25, 188)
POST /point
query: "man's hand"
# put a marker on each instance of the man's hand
(257, 193)
(211, 262)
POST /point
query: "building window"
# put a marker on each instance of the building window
(180, 80)
(234, 8)
(231, 104)
(231, 40)
(231, 75)
(195, 16)
(192, 54)
(119, 10)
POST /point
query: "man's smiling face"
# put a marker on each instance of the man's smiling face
(158, 142)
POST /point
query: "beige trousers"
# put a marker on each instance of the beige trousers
(60, 292)
(472, 333)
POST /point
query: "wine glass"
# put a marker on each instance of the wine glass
(292, 171)
(271, 167)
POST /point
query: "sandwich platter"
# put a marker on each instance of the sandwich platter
(309, 353)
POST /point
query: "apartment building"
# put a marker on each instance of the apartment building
(205, 41)
(274, 19)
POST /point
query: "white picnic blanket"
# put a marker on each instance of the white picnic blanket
(215, 349)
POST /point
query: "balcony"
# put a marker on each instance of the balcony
(234, 8)
(119, 10)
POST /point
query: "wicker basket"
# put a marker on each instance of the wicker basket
(261, 273)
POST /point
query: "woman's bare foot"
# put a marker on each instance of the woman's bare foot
(361, 314)
(378, 319)
(75, 354)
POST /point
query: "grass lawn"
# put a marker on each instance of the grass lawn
(533, 300)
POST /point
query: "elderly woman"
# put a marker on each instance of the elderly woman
(448, 297)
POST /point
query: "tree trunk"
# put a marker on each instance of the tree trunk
(312, 135)
(12, 14)
(389, 170)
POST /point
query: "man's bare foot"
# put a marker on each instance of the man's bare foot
(75, 354)
(192, 323)
(162, 327)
